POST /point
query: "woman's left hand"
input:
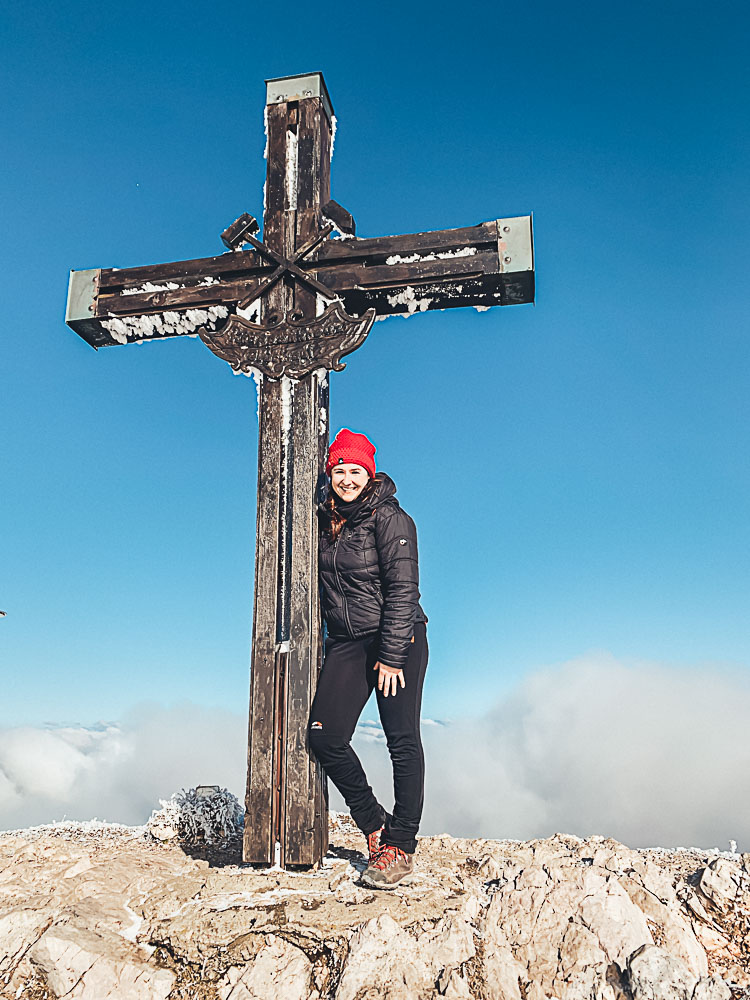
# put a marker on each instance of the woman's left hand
(389, 679)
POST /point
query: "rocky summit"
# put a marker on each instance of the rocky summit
(91, 912)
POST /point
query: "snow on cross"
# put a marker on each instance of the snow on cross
(286, 309)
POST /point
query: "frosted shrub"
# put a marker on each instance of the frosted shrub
(197, 819)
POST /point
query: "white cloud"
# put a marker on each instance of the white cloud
(645, 753)
(117, 772)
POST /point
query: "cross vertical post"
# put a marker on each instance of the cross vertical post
(286, 814)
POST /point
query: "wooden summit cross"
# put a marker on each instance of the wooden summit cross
(286, 310)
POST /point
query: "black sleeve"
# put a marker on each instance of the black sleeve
(396, 539)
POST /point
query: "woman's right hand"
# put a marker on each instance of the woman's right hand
(389, 678)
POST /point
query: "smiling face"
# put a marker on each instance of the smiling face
(348, 481)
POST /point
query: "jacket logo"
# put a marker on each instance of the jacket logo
(316, 725)
(402, 541)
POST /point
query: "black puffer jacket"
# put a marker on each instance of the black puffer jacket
(369, 577)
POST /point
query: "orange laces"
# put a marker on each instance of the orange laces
(373, 841)
(386, 857)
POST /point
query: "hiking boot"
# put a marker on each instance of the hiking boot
(373, 844)
(389, 868)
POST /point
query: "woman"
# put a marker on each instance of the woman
(376, 639)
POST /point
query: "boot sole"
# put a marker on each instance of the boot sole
(406, 880)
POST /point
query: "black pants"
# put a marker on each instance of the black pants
(347, 680)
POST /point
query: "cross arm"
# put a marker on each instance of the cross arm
(116, 306)
(485, 265)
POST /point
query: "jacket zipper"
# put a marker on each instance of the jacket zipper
(338, 581)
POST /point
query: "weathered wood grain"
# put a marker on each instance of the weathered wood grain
(337, 280)
(276, 124)
(483, 234)
(240, 264)
(304, 628)
(320, 786)
(307, 221)
(195, 297)
(230, 265)
(367, 275)
(297, 807)
(303, 836)
(258, 846)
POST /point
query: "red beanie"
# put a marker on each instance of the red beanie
(348, 448)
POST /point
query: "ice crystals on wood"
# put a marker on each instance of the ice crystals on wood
(157, 326)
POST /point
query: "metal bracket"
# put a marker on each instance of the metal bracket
(298, 88)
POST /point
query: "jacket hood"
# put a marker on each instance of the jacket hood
(386, 488)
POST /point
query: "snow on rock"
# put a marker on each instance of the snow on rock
(197, 819)
(71, 829)
(152, 326)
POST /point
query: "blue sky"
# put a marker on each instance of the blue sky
(578, 470)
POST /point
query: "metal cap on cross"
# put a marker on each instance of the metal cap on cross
(288, 307)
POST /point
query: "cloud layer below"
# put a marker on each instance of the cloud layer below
(644, 753)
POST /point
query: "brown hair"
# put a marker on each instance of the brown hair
(335, 520)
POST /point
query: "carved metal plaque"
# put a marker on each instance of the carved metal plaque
(290, 347)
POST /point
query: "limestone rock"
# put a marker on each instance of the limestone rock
(489, 868)
(722, 882)
(711, 989)
(655, 896)
(82, 865)
(503, 973)
(453, 986)
(279, 970)
(710, 939)
(19, 930)
(655, 975)
(81, 965)
(559, 927)
(98, 913)
(382, 957)
(448, 945)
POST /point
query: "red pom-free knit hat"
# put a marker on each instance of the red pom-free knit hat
(348, 448)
